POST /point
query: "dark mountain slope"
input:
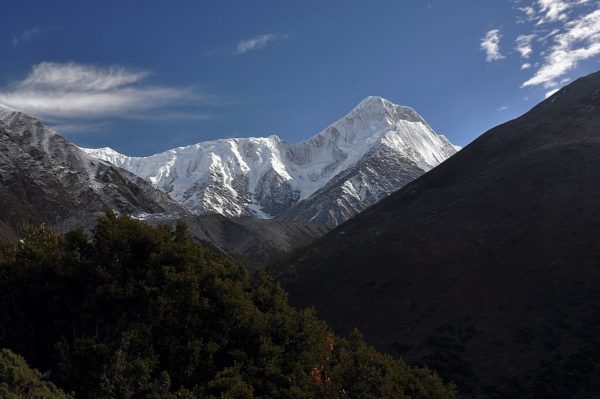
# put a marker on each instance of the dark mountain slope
(487, 267)
(7, 235)
(261, 241)
(251, 238)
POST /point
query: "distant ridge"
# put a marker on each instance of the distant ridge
(373, 151)
(46, 179)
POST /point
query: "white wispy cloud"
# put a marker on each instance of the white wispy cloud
(529, 12)
(553, 10)
(78, 128)
(73, 90)
(257, 42)
(502, 108)
(578, 40)
(490, 44)
(554, 38)
(548, 35)
(524, 45)
(29, 34)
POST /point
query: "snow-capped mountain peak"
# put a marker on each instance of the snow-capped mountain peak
(380, 112)
(267, 177)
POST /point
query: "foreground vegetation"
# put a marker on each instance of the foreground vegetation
(142, 312)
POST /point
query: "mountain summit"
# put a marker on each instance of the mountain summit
(374, 150)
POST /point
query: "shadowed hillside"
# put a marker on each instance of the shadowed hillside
(487, 267)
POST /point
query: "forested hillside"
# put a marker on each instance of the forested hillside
(142, 312)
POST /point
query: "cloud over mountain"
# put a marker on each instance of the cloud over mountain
(70, 90)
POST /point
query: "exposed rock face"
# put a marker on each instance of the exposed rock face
(352, 164)
(381, 172)
(46, 179)
(486, 268)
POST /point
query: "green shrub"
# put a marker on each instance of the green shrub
(18, 381)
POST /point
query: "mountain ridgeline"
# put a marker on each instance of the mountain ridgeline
(487, 268)
(371, 152)
(46, 179)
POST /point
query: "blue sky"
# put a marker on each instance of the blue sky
(143, 77)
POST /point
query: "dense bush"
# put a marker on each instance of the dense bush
(18, 381)
(142, 312)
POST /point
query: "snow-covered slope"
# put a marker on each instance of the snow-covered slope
(374, 150)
